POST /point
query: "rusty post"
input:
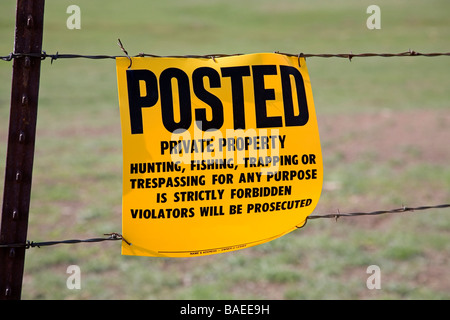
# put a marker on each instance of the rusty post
(21, 141)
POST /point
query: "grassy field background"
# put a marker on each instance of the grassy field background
(384, 126)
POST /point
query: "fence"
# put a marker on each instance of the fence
(27, 57)
(116, 236)
(43, 55)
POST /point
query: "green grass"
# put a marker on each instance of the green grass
(77, 173)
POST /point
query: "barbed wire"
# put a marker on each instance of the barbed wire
(43, 55)
(31, 244)
(116, 236)
(374, 213)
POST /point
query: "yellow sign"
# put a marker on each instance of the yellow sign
(218, 154)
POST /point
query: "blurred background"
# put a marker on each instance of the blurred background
(384, 125)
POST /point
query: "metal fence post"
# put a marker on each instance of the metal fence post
(21, 142)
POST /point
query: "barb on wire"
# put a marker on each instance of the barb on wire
(119, 43)
(43, 55)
